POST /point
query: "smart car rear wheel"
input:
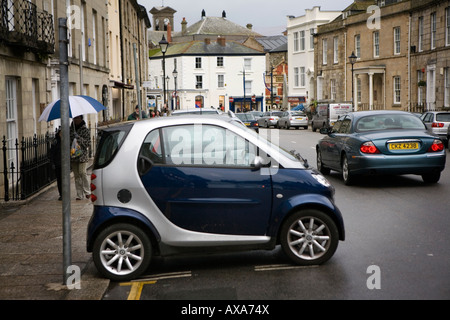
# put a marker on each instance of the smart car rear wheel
(122, 252)
(309, 237)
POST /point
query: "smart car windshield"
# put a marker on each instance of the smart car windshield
(379, 122)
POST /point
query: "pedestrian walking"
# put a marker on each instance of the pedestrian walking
(55, 160)
(80, 132)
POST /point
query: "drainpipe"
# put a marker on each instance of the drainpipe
(122, 58)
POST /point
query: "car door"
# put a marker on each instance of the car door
(336, 143)
(203, 180)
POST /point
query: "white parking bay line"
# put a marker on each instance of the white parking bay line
(273, 267)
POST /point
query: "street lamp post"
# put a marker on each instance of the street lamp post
(164, 44)
(175, 76)
(352, 60)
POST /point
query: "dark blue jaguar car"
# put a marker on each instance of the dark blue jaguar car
(380, 142)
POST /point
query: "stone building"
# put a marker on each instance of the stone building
(430, 55)
(128, 31)
(378, 37)
(27, 39)
(402, 50)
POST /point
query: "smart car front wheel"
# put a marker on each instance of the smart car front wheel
(309, 237)
(122, 252)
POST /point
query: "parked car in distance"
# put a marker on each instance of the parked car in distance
(269, 119)
(437, 123)
(380, 142)
(294, 119)
(198, 111)
(249, 120)
(180, 185)
(257, 114)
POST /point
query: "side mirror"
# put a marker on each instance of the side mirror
(325, 130)
(258, 163)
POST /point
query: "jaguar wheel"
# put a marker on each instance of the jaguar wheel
(309, 237)
(122, 252)
(320, 165)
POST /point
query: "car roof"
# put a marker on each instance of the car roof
(360, 114)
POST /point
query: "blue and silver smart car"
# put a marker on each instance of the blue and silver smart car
(196, 184)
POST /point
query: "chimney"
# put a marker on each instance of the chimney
(221, 41)
(169, 32)
(224, 14)
(183, 26)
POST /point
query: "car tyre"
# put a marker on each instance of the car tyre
(320, 165)
(431, 177)
(309, 237)
(347, 176)
(122, 252)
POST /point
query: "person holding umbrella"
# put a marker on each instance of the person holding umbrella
(79, 131)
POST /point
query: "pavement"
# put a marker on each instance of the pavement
(31, 249)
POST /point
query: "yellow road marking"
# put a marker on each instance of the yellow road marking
(136, 288)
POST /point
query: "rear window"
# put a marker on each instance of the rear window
(110, 141)
(389, 122)
(443, 117)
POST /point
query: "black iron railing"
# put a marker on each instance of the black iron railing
(30, 169)
(22, 25)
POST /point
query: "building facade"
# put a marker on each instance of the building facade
(300, 33)
(402, 56)
(128, 51)
(430, 55)
(210, 74)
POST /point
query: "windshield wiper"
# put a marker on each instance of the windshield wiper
(299, 157)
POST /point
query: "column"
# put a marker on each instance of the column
(370, 90)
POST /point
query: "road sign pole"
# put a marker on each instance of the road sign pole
(65, 145)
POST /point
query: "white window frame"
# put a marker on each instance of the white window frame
(336, 50)
(397, 40)
(296, 77)
(198, 62)
(11, 119)
(376, 44)
(296, 42)
(198, 82)
(447, 26)
(220, 62)
(433, 30)
(324, 51)
(397, 90)
(358, 46)
(420, 32)
(248, 87)
(302, 40)
(420, 89)
(220, 81)
(333, 89)
(447, 87)
(311, 38)
(248, 64)
(302, 77)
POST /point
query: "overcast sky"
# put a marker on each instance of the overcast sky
(268, 18)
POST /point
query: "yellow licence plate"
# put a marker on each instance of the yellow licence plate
(404, 146)
(299, 118)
